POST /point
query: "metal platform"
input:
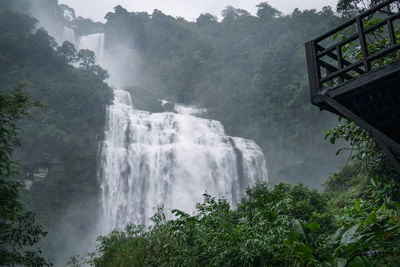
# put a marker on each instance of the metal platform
(354, 71)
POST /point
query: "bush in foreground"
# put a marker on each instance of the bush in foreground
(288, 225)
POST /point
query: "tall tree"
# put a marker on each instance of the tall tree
(230, 13)
(206, 19)
(18, 232)
(350, 8)
(266, 11)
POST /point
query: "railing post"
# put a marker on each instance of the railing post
(313, 69)
(340, 62)
(363, 43)
(391, 32)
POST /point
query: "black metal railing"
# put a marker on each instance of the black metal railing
(331, 65)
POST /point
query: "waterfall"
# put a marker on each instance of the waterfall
(94, 42)
(118, 63)
(68, 35)
(169, 159)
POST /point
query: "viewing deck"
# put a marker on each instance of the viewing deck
(354, 72)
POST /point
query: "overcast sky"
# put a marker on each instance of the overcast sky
(189, 9)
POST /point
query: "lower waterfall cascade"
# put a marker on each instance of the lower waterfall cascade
(168, 159)
(153, 159)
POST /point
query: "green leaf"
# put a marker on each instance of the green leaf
(298, 228)
(360, 261)
(335, 36)
(293, 236)
(313, 226)
(371, 218)
(357, 205)
(339, 262)
(304, 252)
(333, 140)
(347, 237)
(373, 182)
(337, 234)
(327, 134)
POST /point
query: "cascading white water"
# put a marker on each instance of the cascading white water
(68, 35)
(118, 63)
(169, 159)
(94, 42)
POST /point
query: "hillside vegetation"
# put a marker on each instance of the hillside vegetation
(248, 71)
(354, 222)
(61, 141)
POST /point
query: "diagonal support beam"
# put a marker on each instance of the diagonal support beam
(390, 147)
(391, 156)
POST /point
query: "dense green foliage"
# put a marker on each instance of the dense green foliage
(16, 5)
(18, 232)
(352, 7)
(288, 225)
(62, 142)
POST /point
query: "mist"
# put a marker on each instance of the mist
(152, 104)
(190, 10)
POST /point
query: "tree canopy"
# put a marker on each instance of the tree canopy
(63, 139)
(19, 234)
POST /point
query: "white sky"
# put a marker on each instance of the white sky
(189, 9)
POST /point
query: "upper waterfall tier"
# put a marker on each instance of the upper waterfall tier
(153, 159)
(94, 42)
(69, 35)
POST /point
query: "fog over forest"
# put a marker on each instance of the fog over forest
(188, 9)
(147, 134)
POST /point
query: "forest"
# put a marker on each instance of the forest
(321, 204)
